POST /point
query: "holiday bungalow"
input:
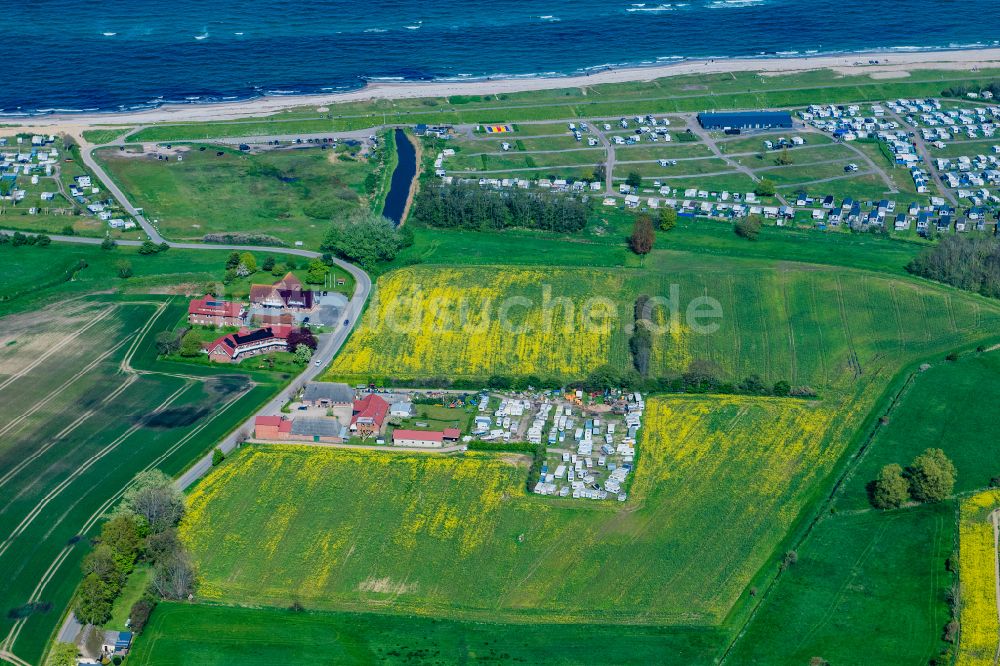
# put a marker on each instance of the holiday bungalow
(233, 347)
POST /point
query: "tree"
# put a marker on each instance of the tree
(783, 158)
(93, 605)
(100, 562)
(668, 218)
(173, 577)
(301, 336)
(139, 614)
(247, 265)
(633, 179)
(765, 188)
(62, 654)
(122, 534)
(931, 475)
(268, 264)
(303, 353)
(781, 388)
(642, 238)
(124, 267)
(148, 247)
(890, 490)
(162, 544)
(108, 243)
(163, 246)
(233, 260)
(41, 240)
(366, 239)
(217, 456)
(317, 272)
(748, 227)
(190, 345)
(167, 343)
(153, 496)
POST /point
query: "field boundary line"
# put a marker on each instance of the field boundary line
(54, 567)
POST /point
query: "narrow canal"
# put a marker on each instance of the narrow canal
(402, 178)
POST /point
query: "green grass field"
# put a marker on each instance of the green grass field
(258, 637)
(290, 194)
(867, 588)
(943, 409)
(78, 421)
(740, 90)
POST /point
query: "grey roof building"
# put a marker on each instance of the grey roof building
(317, 427)
(328, 393)
(746, 120)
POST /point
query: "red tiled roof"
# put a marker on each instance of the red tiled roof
(452, 433)
(231, 341)
(371, 406)
(275, 422)
(209, 305)
(425, 435)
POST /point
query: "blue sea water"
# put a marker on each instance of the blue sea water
(118, 54)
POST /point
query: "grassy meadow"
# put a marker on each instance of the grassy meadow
(738, 90)
(942, 408)
(290, 194)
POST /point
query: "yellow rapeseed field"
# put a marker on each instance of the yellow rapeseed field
(977, 573)
(475, 322)
(719, 482)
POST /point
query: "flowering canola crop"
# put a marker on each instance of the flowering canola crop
(977, 574)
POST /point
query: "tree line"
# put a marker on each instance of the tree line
(967, 262)
(472, 207)
(143, 529)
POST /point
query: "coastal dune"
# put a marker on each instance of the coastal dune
(888, 65)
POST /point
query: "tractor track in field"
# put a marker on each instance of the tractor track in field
(61, 435)
(55, 348)
(94, 517)
(55, 392)
(79, 471)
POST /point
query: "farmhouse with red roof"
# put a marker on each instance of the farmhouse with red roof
(211, 311)
(368, 419)
(234, 347)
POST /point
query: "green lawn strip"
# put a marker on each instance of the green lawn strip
(134, 588)
(220, 635)
(101, 136)
(669, 95)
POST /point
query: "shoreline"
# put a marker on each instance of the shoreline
(891, 64)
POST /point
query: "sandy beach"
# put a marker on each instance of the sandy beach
(890, 65)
